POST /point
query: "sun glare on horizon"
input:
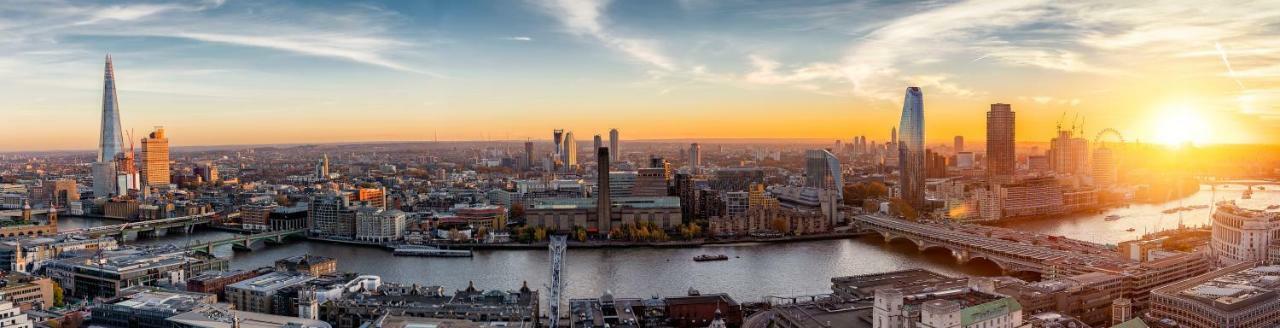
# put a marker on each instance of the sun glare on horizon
(1179, 125)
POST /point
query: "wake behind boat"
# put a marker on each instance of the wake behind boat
(428, 251)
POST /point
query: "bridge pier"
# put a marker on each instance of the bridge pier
(128, 235)
(160, 232)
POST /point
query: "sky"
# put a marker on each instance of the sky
(246, 72)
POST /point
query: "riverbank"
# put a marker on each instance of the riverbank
(625, 244)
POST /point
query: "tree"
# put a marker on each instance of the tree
(900, 207)
(580, 234)
(615, 233)
(517, 210)
(482, 232)
(540, 234)
(57, 295)
(854, 194)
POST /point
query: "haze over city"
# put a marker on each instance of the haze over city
(231, 72)
(639, 164)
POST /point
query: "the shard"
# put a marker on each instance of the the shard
(111, 140)
(911, 148)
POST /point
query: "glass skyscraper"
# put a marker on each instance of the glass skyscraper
(111, 140)
(911, 148)
(822, 170)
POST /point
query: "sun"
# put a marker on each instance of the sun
(1180, 125)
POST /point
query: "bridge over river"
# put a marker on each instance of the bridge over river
(1048, 257)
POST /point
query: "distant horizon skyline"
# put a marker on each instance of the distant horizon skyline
(970, 145)
(334, 72)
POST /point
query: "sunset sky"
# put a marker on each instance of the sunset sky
(239, 72)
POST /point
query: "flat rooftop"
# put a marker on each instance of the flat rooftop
(272, 281)
(1237, 287)
(633, 202)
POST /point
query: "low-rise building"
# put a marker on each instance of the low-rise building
(26, 291)
(258, 294)
(377, 225)
(30, 254)
(564, 214)
(520, 306)
(313, 265)
(1237, 296)
(214, 282)
(147, 307)
(90, 276)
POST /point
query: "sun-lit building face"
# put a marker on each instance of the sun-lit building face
(1179, 125)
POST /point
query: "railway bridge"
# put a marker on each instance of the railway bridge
(130, 231)
(965, 246)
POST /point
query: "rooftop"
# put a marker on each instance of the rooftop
(633, 202)
(1237, 287)
(272, 281)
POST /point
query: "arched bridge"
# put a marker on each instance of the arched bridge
(246, 242)
(965, 246)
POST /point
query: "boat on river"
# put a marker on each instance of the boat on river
(709, 257)
(1130, 229)
(1113, 217)
(428, 251)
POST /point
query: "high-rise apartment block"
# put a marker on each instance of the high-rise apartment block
(910, 150)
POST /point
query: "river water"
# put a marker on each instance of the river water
(753, 272)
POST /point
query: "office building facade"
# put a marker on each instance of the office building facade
(1001, 160)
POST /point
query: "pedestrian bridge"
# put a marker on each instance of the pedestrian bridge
(1009, 256)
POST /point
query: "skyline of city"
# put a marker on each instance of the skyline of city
(444, 71)
(768, 164)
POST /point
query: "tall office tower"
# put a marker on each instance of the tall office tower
(597, 142)
(557, 136)
(604, 210)
(822, 171)
(155, 159)
(528, 155)
(1104, 167)
(695, 157)
(613, 145)
(1000, 142)
(959, 145)
(110, 140)
(911, 148)
(322, 168)
(569, 155)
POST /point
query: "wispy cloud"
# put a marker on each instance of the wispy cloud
(518, 38)
(586, 18)
(355, 35)
(1230, 72)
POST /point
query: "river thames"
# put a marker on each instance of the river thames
(753, 272)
